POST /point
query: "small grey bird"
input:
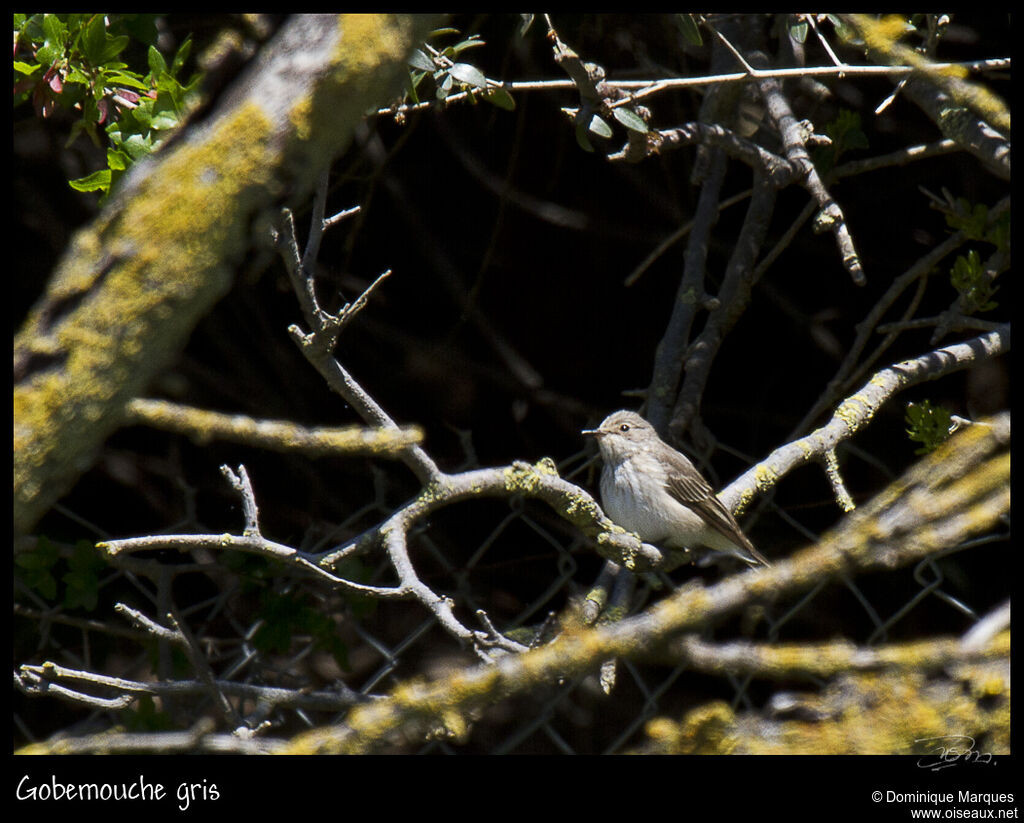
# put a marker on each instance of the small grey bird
(649, 488)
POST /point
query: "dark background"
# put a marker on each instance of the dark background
(509, 246)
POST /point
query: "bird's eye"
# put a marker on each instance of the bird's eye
(624, 427)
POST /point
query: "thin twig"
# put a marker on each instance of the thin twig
(648, 88)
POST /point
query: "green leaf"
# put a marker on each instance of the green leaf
(181, 55)
(97, 181)
(501, 98)
(168, 86)
(138, 146)
(164, 120)
(78, 127)
(138, 119)
(471, 43)
(928, 425)
(971, 219)
(33, 28)
(82, 590)
(121, 78)
(846, 134)
(142, 28)
(25, 68)
(54, 30)
(630, 119)
(156, 60)
(418, 60)
(117, 160)
(76, 75)
(688, 27)
(798, 32)
(414, 80)
(968, 277)
(47, 55)
(581, 137)
(35, 568)
(470, 75)
(82, 580)
(43, 582)
(94, 39)
(43, 556)
(445, 87)
(600, 127)
(999, 234)
(845, 32)
(113, 47)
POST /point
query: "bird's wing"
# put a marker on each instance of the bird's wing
(690, 489)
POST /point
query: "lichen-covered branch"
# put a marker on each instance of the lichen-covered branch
(277, 435)
(783, 661)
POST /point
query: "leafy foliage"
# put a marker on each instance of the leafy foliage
(973, 220)
(36, 568)
(846, 135)
(145, 717)
(40, 570)
(284, 615)
(968, 275)
(82, 579)
(451, 76)
(72, 62)
(689, 29)
(928, 425)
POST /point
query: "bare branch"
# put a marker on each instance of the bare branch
(318, 347)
